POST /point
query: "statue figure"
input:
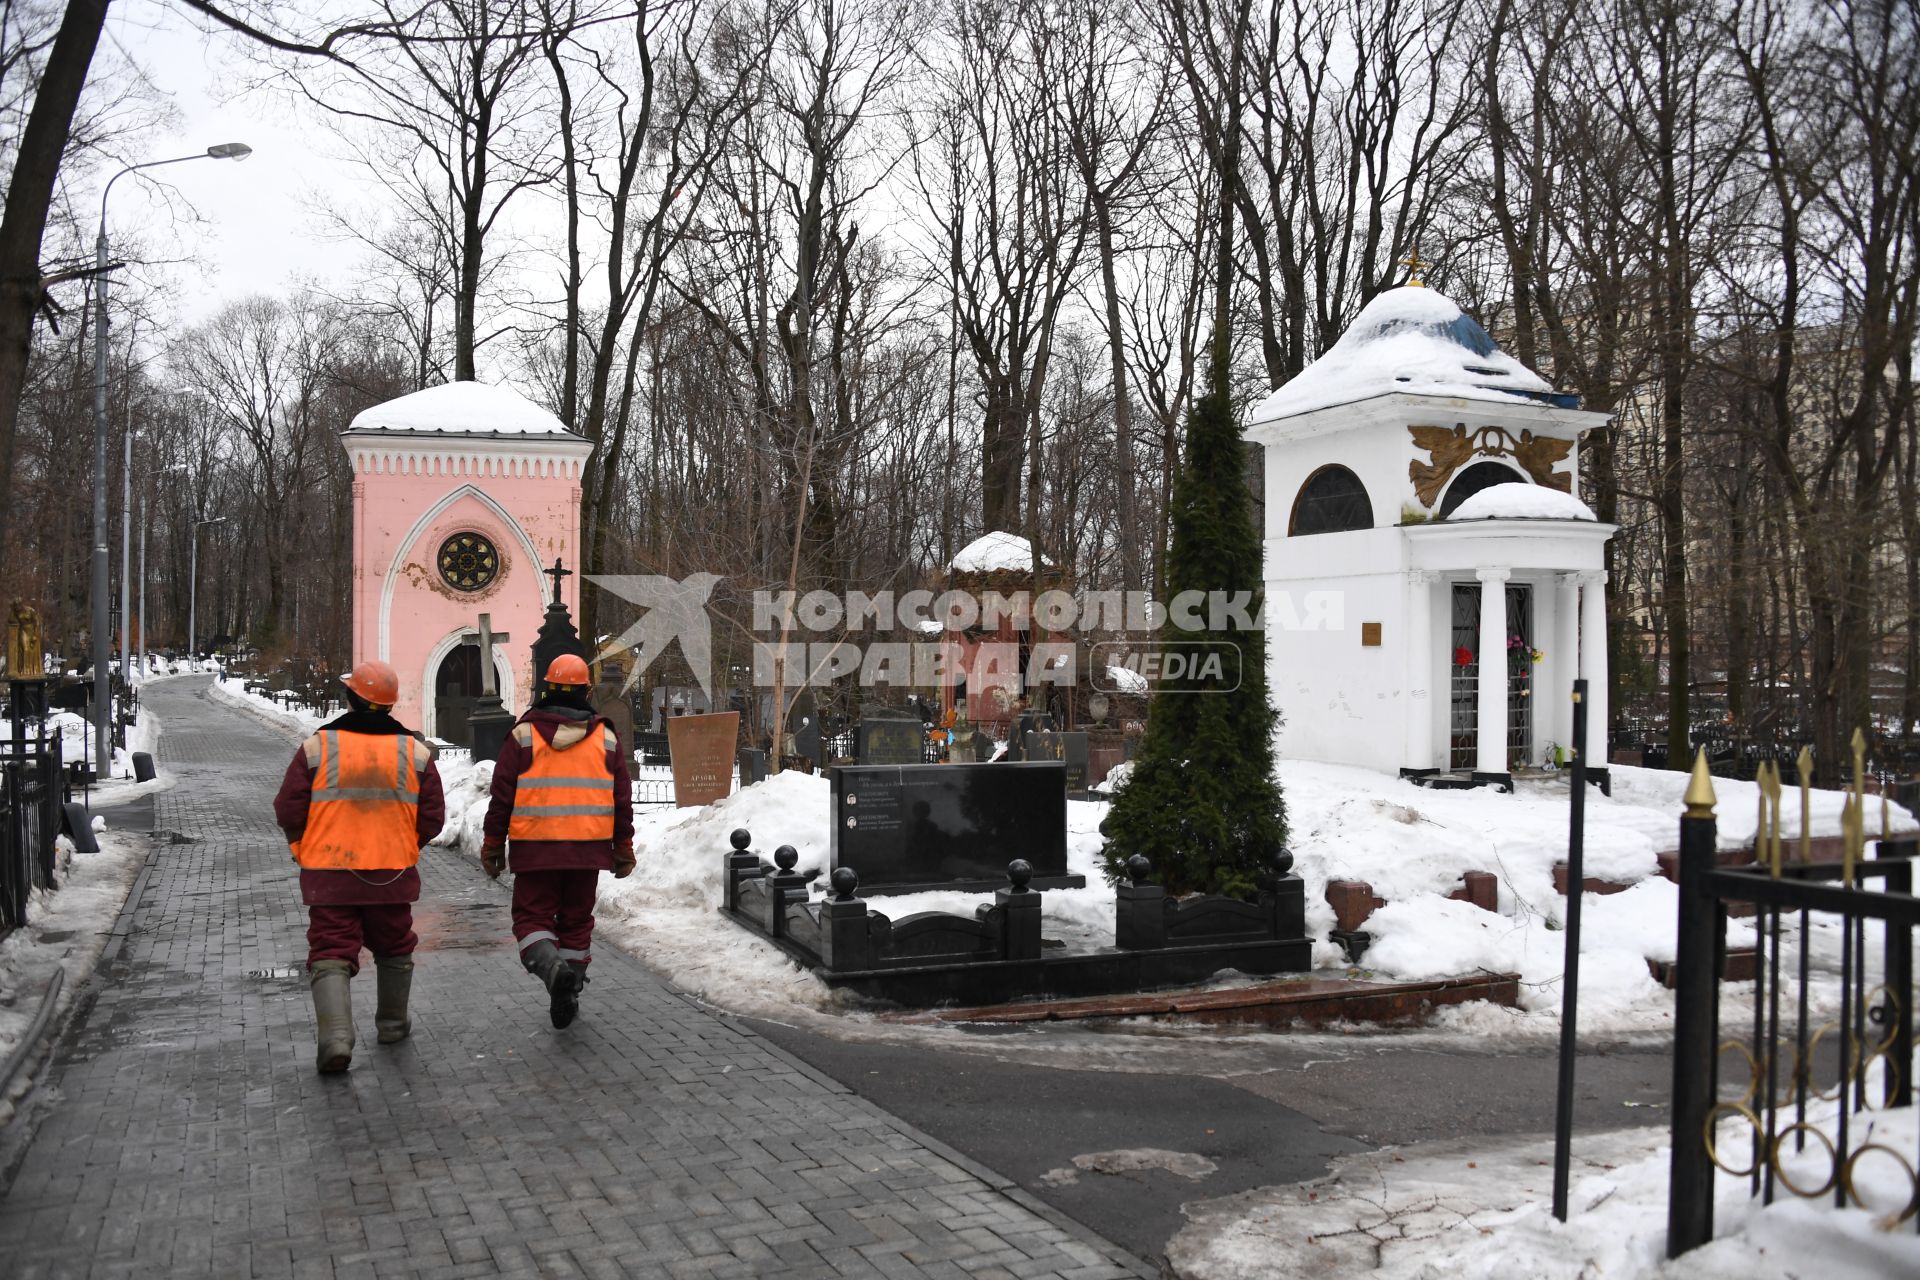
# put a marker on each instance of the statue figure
(26, 660)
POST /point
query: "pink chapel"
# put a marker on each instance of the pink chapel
(462, 495)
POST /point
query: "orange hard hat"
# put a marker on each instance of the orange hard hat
(568, 668)
(377, 682)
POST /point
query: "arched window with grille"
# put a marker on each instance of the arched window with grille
(1331, 501)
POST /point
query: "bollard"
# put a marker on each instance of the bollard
(80, 827)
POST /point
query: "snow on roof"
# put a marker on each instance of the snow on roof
(462, 408)
(1521, 501)
(1411, 339)
(1127, 680)
(996, 552)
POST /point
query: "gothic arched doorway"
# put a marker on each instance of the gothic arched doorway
(456, 686)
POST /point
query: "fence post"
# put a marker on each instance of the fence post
(1695, 1015)
(1570, 973)
(1899, 977)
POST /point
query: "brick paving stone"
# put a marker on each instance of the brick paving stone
(185, 1131)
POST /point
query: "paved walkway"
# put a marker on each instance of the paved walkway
(186, 1132)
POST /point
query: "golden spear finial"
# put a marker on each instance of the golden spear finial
(1414, 263)
(1700, 798)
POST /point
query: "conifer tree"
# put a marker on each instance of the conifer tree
(1203, 803)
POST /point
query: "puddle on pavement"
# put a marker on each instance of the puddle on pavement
(444, 926)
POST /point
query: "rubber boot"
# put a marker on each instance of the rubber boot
(543, 961)
(396, 983)
(332, 1014)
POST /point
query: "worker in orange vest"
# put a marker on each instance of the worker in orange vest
(562, 812)
(359, 799)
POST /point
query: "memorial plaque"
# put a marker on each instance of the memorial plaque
(1068, 748)
(889, 736)
(803, 728)
(702, 750)
(907, 828)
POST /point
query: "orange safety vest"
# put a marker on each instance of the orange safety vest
(366, 795)
(566, 792)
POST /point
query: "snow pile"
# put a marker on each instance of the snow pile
(996, 552)
(234, 692)
(466, 785)
(1521, 501)
(1468, 1212)
(461, 408)
(66, 929)
(1411, 339)
(1413, 845)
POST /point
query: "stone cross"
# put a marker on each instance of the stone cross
(486, 638)
(557, 573)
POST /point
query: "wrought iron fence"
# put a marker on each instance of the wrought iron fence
(1800, 1079)
(31, 793)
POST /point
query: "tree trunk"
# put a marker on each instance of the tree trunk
(29, 194)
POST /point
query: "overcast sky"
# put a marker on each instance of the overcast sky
(257, 231)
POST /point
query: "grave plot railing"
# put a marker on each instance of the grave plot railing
(1804, 1077)
(842, 935)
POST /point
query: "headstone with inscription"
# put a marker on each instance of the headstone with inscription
(889, 735)
(702, 749)
(907, 828)
(1069, 748)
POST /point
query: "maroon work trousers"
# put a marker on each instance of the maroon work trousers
(556, 906)
(338, 933)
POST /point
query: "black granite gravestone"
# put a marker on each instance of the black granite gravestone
(1069, 748)
(890, 736)
(803, 727)
(753, 766)
(906, 828)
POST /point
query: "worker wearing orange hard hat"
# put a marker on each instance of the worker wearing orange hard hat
(359, 799)
(561, 813)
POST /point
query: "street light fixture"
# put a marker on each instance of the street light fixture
(102, 682)
(193, 591)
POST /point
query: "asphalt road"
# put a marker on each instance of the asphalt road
(1263, 1128)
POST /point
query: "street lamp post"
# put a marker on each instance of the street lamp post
(143, 585)
(102, 644)
(126, 557)
(193, 591)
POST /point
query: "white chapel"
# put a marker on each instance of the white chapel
(1434, 583)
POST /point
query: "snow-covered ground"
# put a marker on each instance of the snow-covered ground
(76, 743)
(66, 929)
(1412, 844)
(1477, 1211)
(232, 691)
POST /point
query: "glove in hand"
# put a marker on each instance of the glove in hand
(493, 860)
(623, 860)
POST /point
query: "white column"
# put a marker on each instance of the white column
(1419, 748)
(1564, 658)
(1593, 663)
(1490, 748)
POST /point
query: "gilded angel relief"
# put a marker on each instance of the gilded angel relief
(1447, 448)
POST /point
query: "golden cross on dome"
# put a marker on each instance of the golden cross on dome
(1414, 264)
